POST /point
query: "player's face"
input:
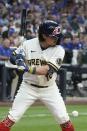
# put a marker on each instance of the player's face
(49, 42)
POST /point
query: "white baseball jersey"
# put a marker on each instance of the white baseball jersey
(35, 56)
(28, 94)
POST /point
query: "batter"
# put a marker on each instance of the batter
(40, 59)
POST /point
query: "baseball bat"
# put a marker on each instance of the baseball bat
(23, 23)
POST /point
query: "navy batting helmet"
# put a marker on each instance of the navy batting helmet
(49, 28)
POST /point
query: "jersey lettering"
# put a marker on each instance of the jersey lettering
(36, 62)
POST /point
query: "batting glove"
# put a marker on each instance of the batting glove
(21, 65)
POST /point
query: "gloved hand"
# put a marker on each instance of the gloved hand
(21, 65)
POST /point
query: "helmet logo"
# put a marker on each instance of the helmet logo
(56, 31)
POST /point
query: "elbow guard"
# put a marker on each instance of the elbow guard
(50, 72)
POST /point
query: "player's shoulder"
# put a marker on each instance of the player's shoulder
(59, 47)
(30, 42)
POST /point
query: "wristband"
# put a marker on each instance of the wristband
(32, 70)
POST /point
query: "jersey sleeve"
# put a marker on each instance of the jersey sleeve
(56, 59)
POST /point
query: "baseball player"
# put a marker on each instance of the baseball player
(40, 59)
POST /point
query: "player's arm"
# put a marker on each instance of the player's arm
(55, 62)
(18, 59)
(52, 65)
(39, 70)
(46, 70)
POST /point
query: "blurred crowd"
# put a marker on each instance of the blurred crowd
(71, 14)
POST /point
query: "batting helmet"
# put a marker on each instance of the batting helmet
(51, 29)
